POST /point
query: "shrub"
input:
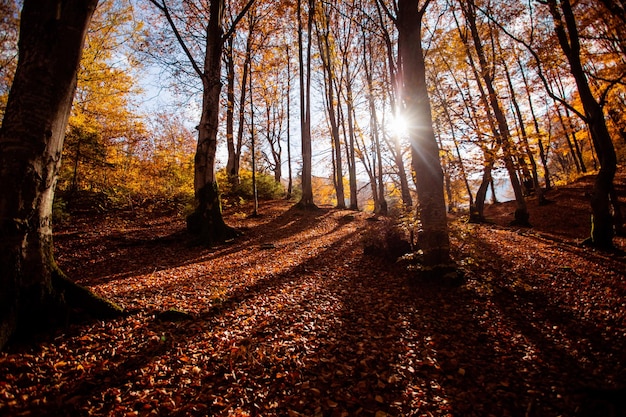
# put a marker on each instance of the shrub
(267, 187)
(386, 239)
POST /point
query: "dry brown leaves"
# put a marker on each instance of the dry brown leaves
(293, 320)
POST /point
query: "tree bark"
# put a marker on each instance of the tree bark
(395, 148)
(602, 222)
(207, 222)
(231, 170)
(32, 288)
(350, 148)
(306, 201)
(522, 216)
(379, 186)
(433, 239)
(326, 54)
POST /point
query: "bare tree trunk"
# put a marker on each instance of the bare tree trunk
(32, 288)
(231, 170)
(207, 221)
(350, 149)
(395, 148)
(490, 153)
(325, 47)
(290, 181)
(381, 206)
(305, 107)
(570, 134)
(448, 116)
(255, 194)
(602, 222)
(233, 173)
(433, 239)
(542, 151)
(521, 211)
(520, 119)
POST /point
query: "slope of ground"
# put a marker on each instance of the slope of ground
(293, 319)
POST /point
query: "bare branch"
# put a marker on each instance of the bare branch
(537, 59)
(240, 16)
(166, 12)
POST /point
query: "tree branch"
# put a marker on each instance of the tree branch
(166, 12)
(537, 59)
(240, 16)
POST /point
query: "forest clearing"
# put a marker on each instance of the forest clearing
(293, 319)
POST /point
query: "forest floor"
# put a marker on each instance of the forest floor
(293, 319)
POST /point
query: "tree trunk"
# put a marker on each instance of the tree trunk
(255, 194)
(602, 222)
(325, 47)
(350, 149)
(290, 181)
(207, 222)
(231, 171)
(33, 289)
(521, 217)
(433, 240)
(381, 203)
(306, 201)
(520, 119)
(542, 151)
(477, 212)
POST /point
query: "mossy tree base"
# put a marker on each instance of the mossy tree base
(56, 306)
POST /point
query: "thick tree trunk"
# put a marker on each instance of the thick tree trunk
(207, 222)
(31, 140)
(433, 240)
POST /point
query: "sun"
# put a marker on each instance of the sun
(399, 126)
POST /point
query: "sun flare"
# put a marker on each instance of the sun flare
(399, 126)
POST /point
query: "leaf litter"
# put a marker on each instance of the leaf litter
(292, 319)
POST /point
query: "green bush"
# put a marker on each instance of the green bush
(267, 187)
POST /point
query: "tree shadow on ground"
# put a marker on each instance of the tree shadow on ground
(339, 333)
(543, 357)
(143, 250)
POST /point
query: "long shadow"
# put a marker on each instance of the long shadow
(124, 376)
(571, 364)
(352, 337)
(123, 256)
